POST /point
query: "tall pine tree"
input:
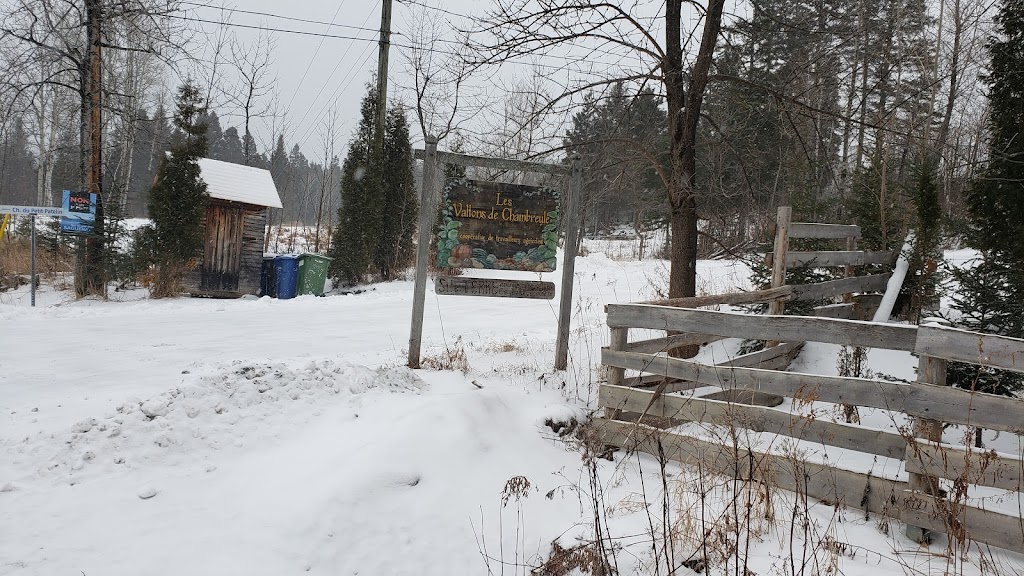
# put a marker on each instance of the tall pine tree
(378, 201)
(178, 198)
(359, 214)
(622, 141)
(991, 296)
(394, 252)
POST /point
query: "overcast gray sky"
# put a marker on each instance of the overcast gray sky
(318, 75)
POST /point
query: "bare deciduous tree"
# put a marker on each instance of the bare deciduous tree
(253, 63)
(70, 38)
(544, 27)
(438, 72)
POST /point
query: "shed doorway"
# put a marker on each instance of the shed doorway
(222, 250)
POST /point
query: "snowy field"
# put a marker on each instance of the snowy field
(266, 437)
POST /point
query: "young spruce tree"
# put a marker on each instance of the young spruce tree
(395, 251)
(359, 213)
(378, 209)
(991, 297)
(178, 198)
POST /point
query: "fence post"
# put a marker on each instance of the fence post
(618, 340)
(427, 206)
(930, 370)
(779, 256)
(778, 306)
(851, 245)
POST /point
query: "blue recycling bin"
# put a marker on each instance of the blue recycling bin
(286, 270)
(268, 278)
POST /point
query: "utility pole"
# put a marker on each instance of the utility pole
(382, 79)
(90, 277)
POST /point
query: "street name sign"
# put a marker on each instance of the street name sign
(26, 210)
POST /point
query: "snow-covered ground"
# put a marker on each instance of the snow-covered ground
(260, 436)
(625, 243)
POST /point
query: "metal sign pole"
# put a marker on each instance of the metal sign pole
(33, 277)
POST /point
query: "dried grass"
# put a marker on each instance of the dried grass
(16, 263)
(451, 358)
(580, 559)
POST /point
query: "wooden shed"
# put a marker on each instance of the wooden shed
(228, 265)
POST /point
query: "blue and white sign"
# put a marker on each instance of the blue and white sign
(79, 213)
(28, 210)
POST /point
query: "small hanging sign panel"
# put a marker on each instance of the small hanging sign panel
(497, 288)
(498, 226)
(79, 213)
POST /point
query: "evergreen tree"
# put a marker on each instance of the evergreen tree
(214, 135)
(250, 155)
(178, 198)
(991, 296)
(762, 149)
(359, 216)
(279, 168)
(919, 293)
(230, 149)
(378, 210)
(996, 203)
(17, 176)
(622, 141)
(394, 252)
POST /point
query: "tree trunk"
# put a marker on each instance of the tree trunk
(90, 279)
(683, 117)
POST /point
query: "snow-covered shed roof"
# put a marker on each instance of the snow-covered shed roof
(238, 183)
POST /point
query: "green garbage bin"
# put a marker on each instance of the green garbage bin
(313, 273)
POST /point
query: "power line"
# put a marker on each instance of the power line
(438, 9)
(315, 54)
(567, 59)
(303, 33)
(269, 29)
(282, 17)
(327, 81)
(341, 89)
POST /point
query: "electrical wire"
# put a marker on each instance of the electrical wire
(337, 91)
(438, 9)
(568, 59)
(362, 60)
(270, 29)
(282, 17)
(313, 59)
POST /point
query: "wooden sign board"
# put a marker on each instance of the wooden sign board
(459, 286)
(498, 226)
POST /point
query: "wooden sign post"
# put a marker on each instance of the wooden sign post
(572, 233)
(427, 208)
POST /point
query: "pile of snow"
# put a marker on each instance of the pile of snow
(227, 405)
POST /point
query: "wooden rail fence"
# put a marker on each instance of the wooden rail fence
(632, 406)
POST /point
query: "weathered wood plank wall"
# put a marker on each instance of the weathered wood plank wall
(233, 237)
